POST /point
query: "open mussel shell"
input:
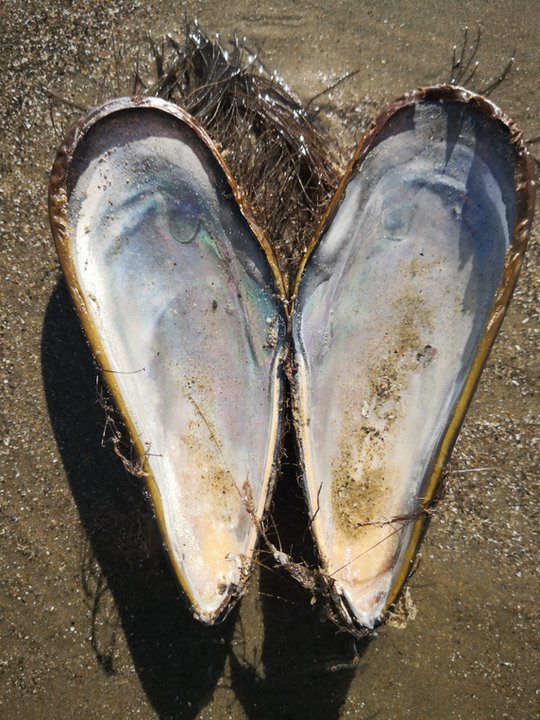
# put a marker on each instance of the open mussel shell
(176, 290)
(397, 305)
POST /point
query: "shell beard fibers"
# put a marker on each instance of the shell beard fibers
(393, 321)
(395, 308)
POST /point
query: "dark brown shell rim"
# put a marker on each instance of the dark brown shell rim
(525, 197)
(58, 198)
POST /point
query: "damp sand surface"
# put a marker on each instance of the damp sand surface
(91, 623)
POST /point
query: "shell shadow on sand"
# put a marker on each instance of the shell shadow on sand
(127, 581)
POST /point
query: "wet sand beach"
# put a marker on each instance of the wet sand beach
(91, 622)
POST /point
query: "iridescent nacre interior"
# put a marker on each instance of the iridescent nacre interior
(184, 304)
(391, 309)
